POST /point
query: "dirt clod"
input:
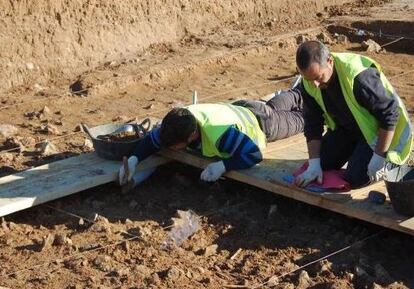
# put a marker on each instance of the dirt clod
(210, 250)
(8, 130)
(173, 273)
(273, 281)
(87, 144)
(50, 129)
(304, 281)
(45, 110)
(47, 148)
(47, 242)
(342, 39)
(103, 263)
(61, 239)
(371, 46)
(154, 279)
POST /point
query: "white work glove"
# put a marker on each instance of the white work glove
(376, 168)
(313, 172)
(132, 164)
(213, 172)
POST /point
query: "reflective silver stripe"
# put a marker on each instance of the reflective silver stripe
(404, 137)
(407, 132)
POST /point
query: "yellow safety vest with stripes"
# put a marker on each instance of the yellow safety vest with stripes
(348, 66)
(214, 119)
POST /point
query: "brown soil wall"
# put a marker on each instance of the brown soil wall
(47, 39)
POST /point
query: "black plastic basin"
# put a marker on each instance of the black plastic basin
(400, 186)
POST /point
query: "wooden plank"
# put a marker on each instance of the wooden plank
(267, 175)
(408, 224)
(58, 179)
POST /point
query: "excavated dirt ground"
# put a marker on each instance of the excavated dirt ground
(247, 235)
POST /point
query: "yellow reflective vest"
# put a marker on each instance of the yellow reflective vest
(348, 66)
(214, 119)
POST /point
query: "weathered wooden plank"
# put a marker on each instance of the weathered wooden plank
(408, 224)
(58, 179)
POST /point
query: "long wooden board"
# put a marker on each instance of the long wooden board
(58, 179)
(283, 157)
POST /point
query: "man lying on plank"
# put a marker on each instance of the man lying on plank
(233, 132)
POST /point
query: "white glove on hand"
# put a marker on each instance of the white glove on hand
(132, 164)
(313, 172)
(376, 168)
(213, 172)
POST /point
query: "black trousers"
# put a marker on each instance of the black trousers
(280, 117)
(341, 146)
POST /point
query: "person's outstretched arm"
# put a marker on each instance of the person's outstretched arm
(243, 152)
(145, 147)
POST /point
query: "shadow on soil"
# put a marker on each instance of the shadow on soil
(244, 217)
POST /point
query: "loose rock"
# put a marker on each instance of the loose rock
(76, 263)
(102, 262)
(45, 110)
(61, 239)
(342, 39)
(173, 273)
(210, 250)
(50, 129)
(8, 130)
(121, 272)
(273, 281)
(325, 266)
(371, 46)
(87, 144)
(47, 242)
(6, 158)
(143, 270)
(154, 279)
(304, 280)
(30, 66)
(47, 148)
(4, 226)
(101, 225)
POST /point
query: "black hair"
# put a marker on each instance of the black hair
(311, 52)
(177, 126)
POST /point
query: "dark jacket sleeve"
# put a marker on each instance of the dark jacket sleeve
(244, 153)
(148, 145)
(371, 94)
(313, 116)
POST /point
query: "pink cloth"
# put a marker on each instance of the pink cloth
(332, 179)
